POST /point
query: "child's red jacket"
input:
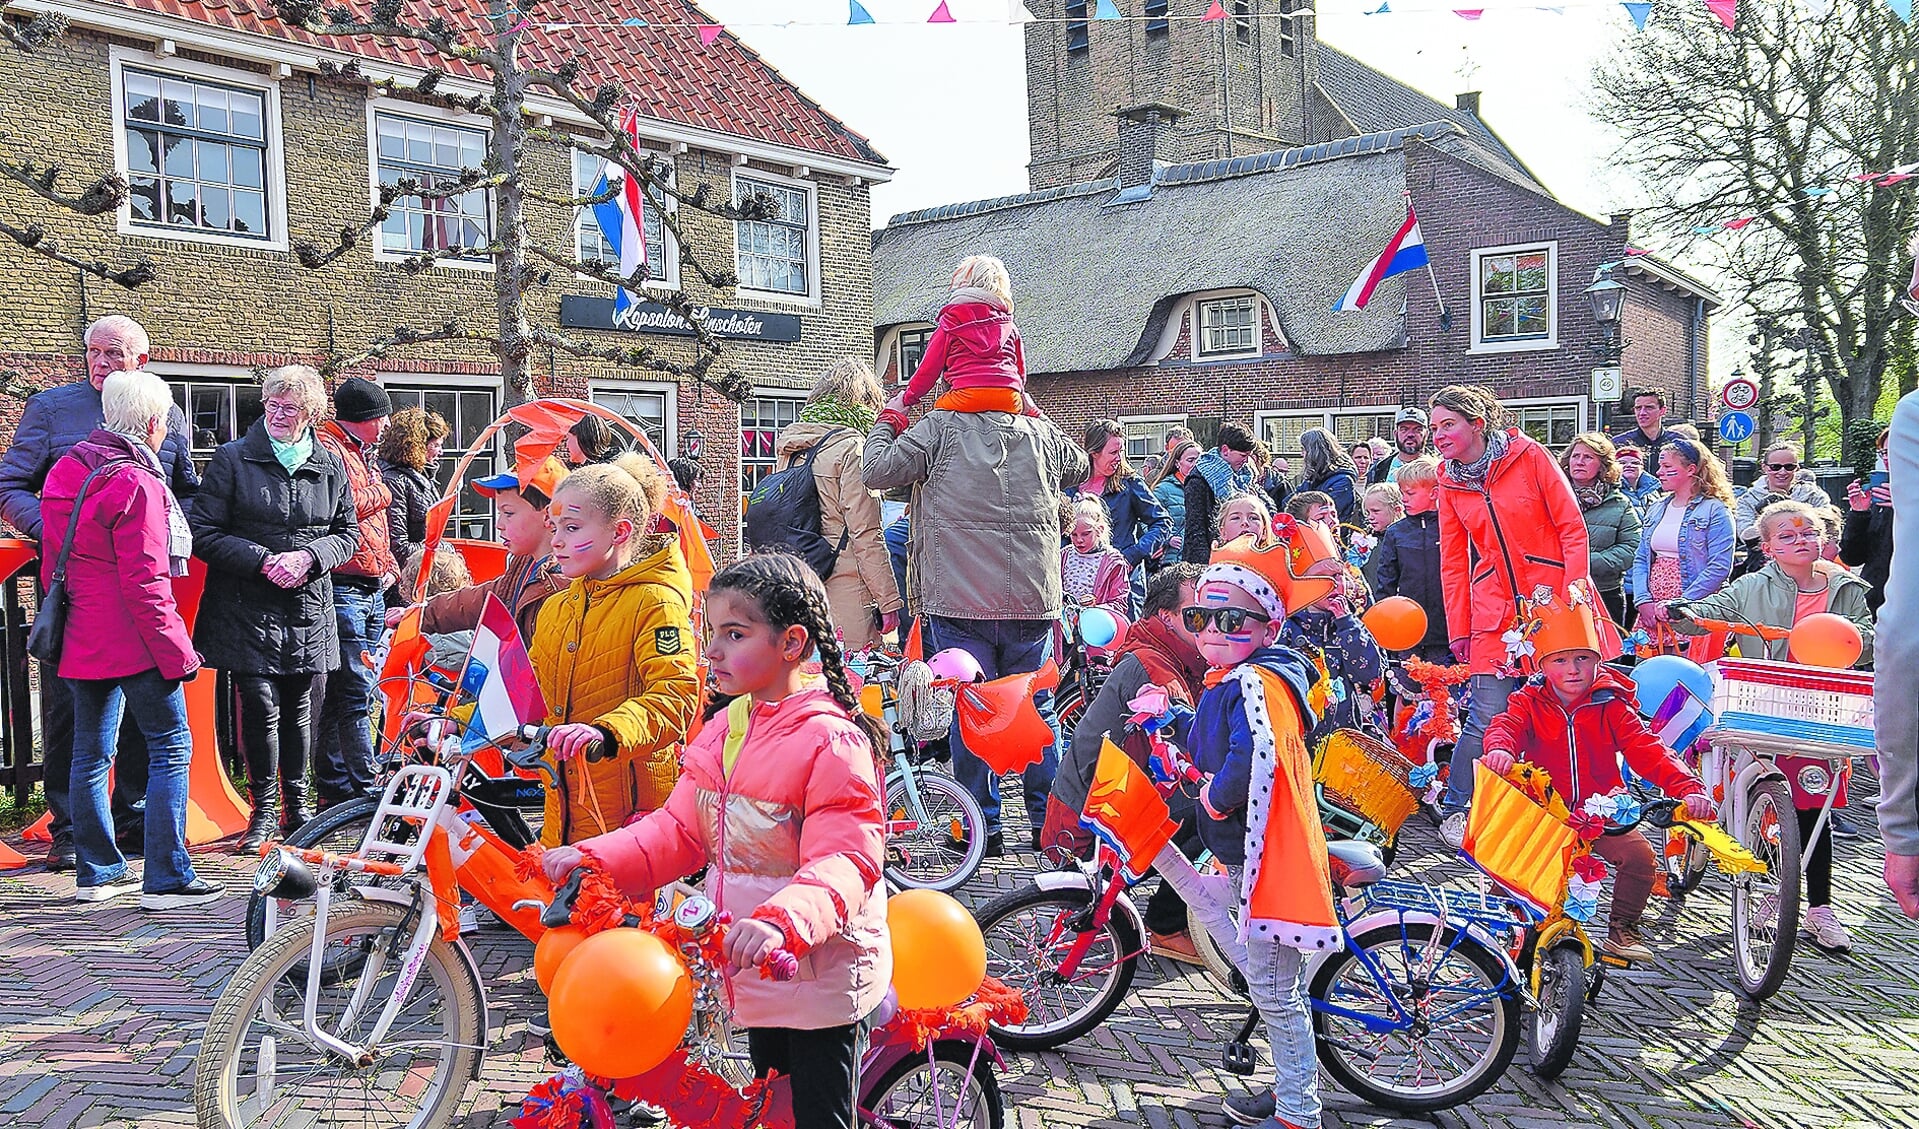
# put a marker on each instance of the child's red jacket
(1579, 746)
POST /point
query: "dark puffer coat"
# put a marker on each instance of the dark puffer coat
(249, 507)
(414, 493)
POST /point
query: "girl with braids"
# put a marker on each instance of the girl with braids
(781, 803)
(613, 651)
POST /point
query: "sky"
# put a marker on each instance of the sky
(946, 103)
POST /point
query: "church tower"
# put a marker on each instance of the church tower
(1244, 84)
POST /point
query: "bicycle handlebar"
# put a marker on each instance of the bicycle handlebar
(780, 964)
(1682, 609)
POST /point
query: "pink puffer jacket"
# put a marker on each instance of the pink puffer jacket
(797, 836)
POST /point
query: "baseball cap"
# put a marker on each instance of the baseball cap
(548, 476)
(1410, 415)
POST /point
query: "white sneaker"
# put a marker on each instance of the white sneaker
(1823, 926)
(125, 884)
(1453, 831)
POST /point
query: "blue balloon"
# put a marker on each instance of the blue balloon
(1658, 675)
(1097, 627)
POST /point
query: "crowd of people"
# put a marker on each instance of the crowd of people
(1238, 590)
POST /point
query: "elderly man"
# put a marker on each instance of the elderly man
(53, 422)
(343, 756)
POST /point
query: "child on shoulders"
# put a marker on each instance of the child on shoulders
(976, 347)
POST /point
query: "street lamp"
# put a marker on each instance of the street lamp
(1607, 297)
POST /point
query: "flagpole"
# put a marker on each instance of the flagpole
(1445, 319)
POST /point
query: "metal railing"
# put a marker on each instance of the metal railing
(19, 769)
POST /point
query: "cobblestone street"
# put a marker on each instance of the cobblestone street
(100, 1010)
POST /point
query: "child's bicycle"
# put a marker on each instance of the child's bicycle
(918, 1071)
(1763, 710)
(1081, 673)
(935, 831)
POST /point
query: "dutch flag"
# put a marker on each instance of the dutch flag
(1681, 719)
(499, 679)
(619, 217)
(1405, 251)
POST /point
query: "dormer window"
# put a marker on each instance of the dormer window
(1228, 327)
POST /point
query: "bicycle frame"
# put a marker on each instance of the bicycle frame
(1109, 892)
(1412, 903)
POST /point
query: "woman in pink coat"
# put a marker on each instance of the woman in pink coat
(126, 647)
(779, 798)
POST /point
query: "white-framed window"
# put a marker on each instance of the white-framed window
(650, 407)
(1282, 430)
(590, 242)
(775, 257)
(220, 402)
(411, 141)
(762, 418)
(1227, 327)
(200, 146)
(468, 404)
(1551, 422)
(1146, 435)
(912, 348)
(1515, 298)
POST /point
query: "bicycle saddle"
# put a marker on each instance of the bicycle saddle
(1354, 864)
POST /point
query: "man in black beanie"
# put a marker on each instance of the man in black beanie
(343, 755)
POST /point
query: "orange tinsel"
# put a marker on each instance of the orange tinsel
(600, 905)
(916, 1027)
(1437, 683)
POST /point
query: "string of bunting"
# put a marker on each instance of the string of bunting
(858, 15)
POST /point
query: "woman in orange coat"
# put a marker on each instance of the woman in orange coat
(1508, 524)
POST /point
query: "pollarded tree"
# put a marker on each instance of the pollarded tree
(1769, 122)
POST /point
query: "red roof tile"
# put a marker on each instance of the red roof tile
(726, 88)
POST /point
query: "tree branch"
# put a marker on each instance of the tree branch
(34, 238)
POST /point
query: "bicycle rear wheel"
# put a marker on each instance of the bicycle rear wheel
(1765, 907)
(1429, 1031)
(1686, 868)
(938, 1092)
(947, 842)
(258, 1067)
(1023, 952)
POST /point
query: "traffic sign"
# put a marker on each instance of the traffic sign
(1739, 393)
(1735, 427)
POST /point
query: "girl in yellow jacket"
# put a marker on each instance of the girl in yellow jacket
(614, 652)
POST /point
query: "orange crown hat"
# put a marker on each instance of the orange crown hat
(546, 477)
(1270, 575)
(1563, 621)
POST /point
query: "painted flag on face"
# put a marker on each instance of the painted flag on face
(1405, 251)
(1681, 719)
(499, 679)
(620, 218)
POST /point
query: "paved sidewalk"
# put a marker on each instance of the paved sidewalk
(100, 1009)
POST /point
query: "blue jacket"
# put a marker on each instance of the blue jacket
(54, 421)
(1354, 665)
(1140, 524)
(1339, 486)
(1705, 548)
(1641, 492)
(1172, 496)
(1221, 744)
(1408, 565)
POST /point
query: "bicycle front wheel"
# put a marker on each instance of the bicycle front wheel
(258, 1066)
(938, 1091)
(1765, 906)
(1028, 934)
(1552, 1031)
(943, 837)
(1422, 1023)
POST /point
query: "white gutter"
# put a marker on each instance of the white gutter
(227, 43)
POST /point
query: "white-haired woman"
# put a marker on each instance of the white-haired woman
(860, 589)
(121, 536)
(273, 519)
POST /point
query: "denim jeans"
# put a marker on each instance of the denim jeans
(1490, 692)
(56, 761)
(895, 536)
(159, 708)
(343, 755)
(1276, 979)
(1002, 647)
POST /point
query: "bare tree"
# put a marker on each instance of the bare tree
(1757, 122)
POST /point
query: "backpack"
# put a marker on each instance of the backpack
(783, 513)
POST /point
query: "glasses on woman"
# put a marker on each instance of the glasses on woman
(280, 409)
(1229, 620)
(1782, 466)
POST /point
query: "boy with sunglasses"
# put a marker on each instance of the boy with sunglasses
(1258, 812)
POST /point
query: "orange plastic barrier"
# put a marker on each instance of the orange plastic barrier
(484, 559)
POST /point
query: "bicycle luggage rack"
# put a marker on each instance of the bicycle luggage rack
(1792, 710)
(1477, 907)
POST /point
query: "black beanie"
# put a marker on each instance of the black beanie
(358, 400)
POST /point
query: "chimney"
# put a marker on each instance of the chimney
(1468, 102)
(1145, 136)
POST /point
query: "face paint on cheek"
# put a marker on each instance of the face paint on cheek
(583, 547)
(1240, 640)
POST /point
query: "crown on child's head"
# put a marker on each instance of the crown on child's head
(1562, 621)
(1275, 576)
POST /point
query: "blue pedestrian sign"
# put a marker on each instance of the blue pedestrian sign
(1735, 427)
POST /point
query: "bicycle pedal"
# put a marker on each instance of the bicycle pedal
(1611, 961)
(1240, 1059)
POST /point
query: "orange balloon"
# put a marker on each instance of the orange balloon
(1825, 639)
(554, 947)
(939, 956)
(873, 701)
(620, 1003)
(1398, 623)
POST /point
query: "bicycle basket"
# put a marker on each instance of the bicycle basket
(1521, 845)
(925, 710)
(1819, 711)
(1365, 777)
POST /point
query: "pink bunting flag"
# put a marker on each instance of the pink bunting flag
(1216, 12)
(709, 33)
(1726, 10)
(1469, 13)
(941, 15)
(1740, 223)
(1631, 251)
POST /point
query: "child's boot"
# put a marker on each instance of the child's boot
(1624, 942)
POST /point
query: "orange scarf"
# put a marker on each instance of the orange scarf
(1287, 895)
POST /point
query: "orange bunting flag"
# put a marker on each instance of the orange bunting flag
(1126, 811)
(1001, 725)
(1727, 11)
(709, 33)
(1216, 12)
(941, 15)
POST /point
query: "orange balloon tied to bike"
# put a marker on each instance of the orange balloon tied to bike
(554, 946)
(1397, 623)
(939, 956)
(1827, 640)
(620, 1003)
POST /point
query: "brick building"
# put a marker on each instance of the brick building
(1178, 258)
(239, 148)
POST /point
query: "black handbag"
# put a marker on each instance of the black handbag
(49, 634)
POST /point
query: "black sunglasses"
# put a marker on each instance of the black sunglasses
(1782, 466)
(1230, 620)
